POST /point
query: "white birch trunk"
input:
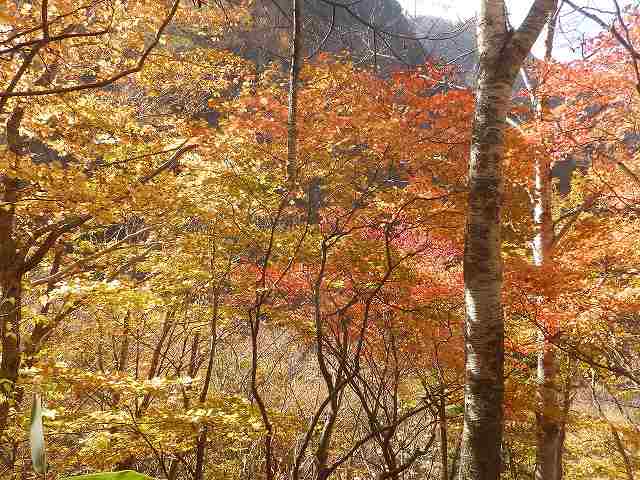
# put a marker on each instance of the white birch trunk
(549, 421)
(549, 418)
(502, 52)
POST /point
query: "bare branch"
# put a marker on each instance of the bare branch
(102, 83)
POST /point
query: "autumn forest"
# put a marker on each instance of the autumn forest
(319, 239)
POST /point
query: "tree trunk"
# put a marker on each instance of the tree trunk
(623, 452)
(173, 470)
(322, 453)
(194, 362)
(123, 357)
(614, 433)
(10, 318)
(484, 325)
(213, 338)
(549, 421)
(444, 452)
(254, 324)
(294, 75)
(200, 450)
(501, 52)
(169, 318)
(549, 418)
(11, 273)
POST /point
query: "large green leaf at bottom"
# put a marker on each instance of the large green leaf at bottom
(122, 475)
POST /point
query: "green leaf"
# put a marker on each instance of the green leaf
(36, 433)
(122, 475)
(455, 409)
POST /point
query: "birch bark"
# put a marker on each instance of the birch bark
(549, 419)
(502, 52)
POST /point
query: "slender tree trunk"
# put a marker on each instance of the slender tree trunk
(157, 351)
(254, 323)
(444, 452)
(42, 330)
(200, 450)
(294, 75)
(100, 354)
(213, 341)
(614, 433)
(389, 457)
(502, 52)
(623, 452)
(549, 418)
(322, 453)
(154, 366)
(173, 470)
(202, 438)
(195, 354)
(122, 360)
(123, 357)
(331, 381)
(122, 365)
(549, 421)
